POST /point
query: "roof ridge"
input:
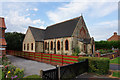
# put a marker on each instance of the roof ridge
(36, 28)
(63, 21)
(2, 17)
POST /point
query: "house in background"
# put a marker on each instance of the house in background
(60, 38)
(114, 37)
(2, 35)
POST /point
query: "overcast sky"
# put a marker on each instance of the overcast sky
(101, 17)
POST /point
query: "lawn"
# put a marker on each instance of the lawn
(115, 61)
(116, 74)
(33, 76)
(0, 73)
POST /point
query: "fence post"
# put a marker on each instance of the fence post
(34, 55)
(58, 72)
(62, 59)
(41, 57)
(41, 73)
(50, 58)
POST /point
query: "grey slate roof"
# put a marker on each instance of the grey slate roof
(63, 29)
(37, 33)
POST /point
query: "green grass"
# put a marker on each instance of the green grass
(116, 74)
(0, 73)
(115, 61)
(33, 76)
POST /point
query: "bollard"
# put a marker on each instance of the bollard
(58, 72)
(41, 73)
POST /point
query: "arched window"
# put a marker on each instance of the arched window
(48, 45)
(31, 46)
(84, 48)
(51, 45)
(58, 45)
(66, 45)
(28, 46)
(24, 47)
(45, 45)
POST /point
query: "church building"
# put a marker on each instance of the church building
(60, 38)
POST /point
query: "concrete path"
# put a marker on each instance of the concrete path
(30, 67)
(114, 67)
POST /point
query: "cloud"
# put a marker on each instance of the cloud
(18, 19)
(59, 0)
(103, 30)
(15, 22)
(35, 9)
(32, 9)
(73, 9)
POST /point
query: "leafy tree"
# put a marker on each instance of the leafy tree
(14, 40)
(107, 44)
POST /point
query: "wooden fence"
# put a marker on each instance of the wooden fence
(55, 59)
(67, 72)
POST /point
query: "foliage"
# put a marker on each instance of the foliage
(115, 61)
(105, 51)
(107, 44)
(76, 51)
(116, 74)
(14, 40)
(0, 73)
(96, 64)
(10, 70)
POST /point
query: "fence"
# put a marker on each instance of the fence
(54, 59)
(66, 72)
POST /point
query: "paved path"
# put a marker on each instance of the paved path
(30, 67)
(114, 67)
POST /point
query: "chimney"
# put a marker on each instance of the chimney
(115, 33)
(2, 23)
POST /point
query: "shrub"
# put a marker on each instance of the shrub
(19, 72)
(76, 51)
(97, 65)
(74, 54)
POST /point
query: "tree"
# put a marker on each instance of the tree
(107, 44)
(14, 40)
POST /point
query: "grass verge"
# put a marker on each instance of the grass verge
(116, 74)
(115, 61)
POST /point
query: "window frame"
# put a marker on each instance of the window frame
(58, 45)
(31, 46)
(27, 46)
(51, 45)
(66, 46)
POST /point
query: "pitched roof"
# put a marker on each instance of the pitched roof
(63, 29)
(2, 23)
(37, 33)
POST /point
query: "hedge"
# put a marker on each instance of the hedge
(97, 65)
(106, 44)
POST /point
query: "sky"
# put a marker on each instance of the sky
(101, 17)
